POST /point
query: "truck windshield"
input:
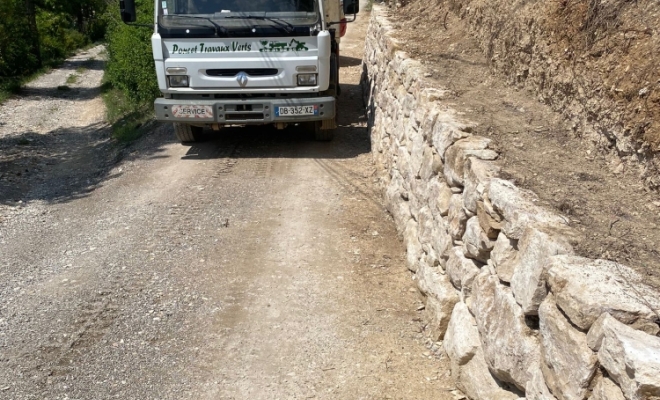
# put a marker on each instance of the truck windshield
(222, 7)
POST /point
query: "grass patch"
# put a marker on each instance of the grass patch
(73, 78)
(129, 120)
(81, 70)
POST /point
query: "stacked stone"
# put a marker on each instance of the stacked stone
(518, 313)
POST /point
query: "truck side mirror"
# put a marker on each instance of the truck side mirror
(127, 11)
(351, 7)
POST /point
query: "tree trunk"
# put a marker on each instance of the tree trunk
(31, 13)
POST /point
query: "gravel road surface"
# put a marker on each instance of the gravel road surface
(255, 265)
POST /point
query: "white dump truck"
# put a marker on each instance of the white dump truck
(247, 62)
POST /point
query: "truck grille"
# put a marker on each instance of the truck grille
(229, 72)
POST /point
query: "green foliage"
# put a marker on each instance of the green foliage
(16, 40)
(57, 36)
(130, 67)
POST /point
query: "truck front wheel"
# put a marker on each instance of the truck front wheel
(187, 133)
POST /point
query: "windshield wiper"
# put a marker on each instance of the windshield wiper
(288, 28)
(216, 26)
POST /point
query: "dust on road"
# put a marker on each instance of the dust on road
(257, 264)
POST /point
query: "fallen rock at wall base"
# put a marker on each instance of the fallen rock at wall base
(477, 175)
(568, 364)
(461, 270)
(630, 357)
(517, 208)
(511, 348)
(446, 131)
(436, 286)
(605, 389)
(491, 223)
(504, 257)
(476, 244)
(457, 217)
(468, 365)
(586, 288)
(536, 388)
(536, 245)
(457, 155)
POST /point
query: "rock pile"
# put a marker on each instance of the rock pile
(518, 312)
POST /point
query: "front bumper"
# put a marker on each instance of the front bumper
(246, 111)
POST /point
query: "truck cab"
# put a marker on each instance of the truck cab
(242, 62)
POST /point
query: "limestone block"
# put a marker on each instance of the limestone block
(605, 389)
(477, 174)
(417, 153)
(476, 244)
(457, 217)
(441, 242)
(468, 365)
(536, 245)
(492, 225)
(458, 153)
(462, 339)
(446, 131)
(413, 247)
(630, 357)
(518, 208)
(536, 388)
(504, 257)
(510, 346)
(585, 288)
(439, 196)
(568, 364)
(426, 167)
(403, 164)
(441, 298)
(461, 270)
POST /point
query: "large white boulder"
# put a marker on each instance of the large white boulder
(458, 153)
(504, 257)
(517, 207)
(457, 217)
(440, 298)
(446, 131)
(630, 357)
(586, 288)
(568, 364)
(511, 348)
(477, 174)
(476, 244)
(460, 269)
(468, 365)
(537, 244)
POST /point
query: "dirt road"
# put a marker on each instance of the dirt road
(254, 265)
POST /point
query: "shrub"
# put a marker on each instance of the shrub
(130, 65)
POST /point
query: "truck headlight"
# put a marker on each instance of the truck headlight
(178, 80)
(306, 79)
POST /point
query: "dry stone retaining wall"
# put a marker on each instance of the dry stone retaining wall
(519, 314)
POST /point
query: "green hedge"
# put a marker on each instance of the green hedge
(130, 65)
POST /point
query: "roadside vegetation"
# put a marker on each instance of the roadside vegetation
(130, 85)
(36, 35)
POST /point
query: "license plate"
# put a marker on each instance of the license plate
(295, 111)
(186, 111)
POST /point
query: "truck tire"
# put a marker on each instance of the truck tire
(187, 133)
(322, 135)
